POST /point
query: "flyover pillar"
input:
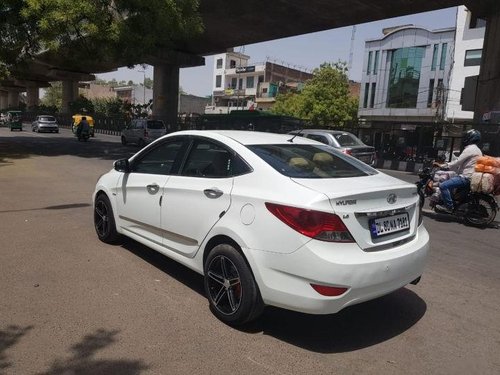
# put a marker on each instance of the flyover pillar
(32, 96)
(488, 86)
(69, 94)
(166, 94)
(13, 99)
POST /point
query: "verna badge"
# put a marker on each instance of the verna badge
(392, 198)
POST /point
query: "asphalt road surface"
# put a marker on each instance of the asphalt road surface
(70, 304)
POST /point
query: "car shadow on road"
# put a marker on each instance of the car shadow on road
(353, 328)
(83, 358)
(22, 147)
(9, 336)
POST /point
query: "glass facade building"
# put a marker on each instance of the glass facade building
(404, 78)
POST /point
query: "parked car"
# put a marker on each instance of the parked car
(45, 123)
(267, 220)
(143, 131)
(76, 120)
(346, 142)
(14, 120)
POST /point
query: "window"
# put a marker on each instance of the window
(138, 124)
(208, 159)
(444, 49)
(365, 101)
(219, 63)
(404, 77)
(218, 81)
(473, 57)
(369, 66)
(250, 82)
(310, 161)
(232, 64)
(261, 79)
(319, 138)
(430, 94)
(375, 63)
(434, 57)
(240, 84)
(372, 96)
(159, 160)
(233, 82)
(476, 23)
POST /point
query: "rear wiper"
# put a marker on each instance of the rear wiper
(298, 133)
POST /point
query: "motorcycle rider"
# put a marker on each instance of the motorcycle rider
(83, 127)
(463, 166)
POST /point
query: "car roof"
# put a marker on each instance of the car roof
(322, 131)
(248, 137)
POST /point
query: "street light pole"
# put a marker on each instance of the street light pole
(143, 86)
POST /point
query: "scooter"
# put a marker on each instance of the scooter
(83, 135)
(476, 209)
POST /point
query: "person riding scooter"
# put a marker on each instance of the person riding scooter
(463, 166)
(83, 129)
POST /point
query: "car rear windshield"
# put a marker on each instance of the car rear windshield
(152, 124)
(347, 140)
(47, 118)
(311, 161)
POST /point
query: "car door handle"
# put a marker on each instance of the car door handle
(213, 193)
(153, 188)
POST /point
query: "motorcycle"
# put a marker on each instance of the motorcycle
(83, 135)
(476, 209)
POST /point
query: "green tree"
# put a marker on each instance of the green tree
(148, 82)
(53, 96)
(325, 99)
(79, 31)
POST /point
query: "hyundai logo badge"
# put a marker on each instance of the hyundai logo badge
(392, 198)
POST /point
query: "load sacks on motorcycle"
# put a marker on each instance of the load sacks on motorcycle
(486, 178)
(488, 164)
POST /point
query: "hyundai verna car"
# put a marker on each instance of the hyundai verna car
(268, 219)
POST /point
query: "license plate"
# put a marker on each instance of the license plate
(383, 226)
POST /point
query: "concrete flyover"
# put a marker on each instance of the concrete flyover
(236, 22)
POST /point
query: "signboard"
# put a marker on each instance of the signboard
(245, 69)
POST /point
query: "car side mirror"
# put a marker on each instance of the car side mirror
(122, 165)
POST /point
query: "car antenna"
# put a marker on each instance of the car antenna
(298, 133)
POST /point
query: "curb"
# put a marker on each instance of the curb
(397, 165)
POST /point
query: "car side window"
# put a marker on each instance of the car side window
(319, 138)
(138, 125)
(159, 160)
(210, 160)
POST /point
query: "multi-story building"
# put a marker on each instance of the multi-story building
(467, 60)
(406, 74)
(238, 84)
(412, 74)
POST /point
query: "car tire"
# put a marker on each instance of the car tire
(230, 287)
(124, 141)
(104, 220)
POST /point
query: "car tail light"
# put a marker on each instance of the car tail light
(319, 225)
(145, 133)
(329, 291)
(347, 151)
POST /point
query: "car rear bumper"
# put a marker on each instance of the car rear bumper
(48, 128)
(285, 279)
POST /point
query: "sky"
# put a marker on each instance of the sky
(308, 51)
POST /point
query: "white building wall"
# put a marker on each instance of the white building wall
(401, 38)
(466, 39)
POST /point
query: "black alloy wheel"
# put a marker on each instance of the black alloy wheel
(230, 286)
(480, 212)
(104, 220)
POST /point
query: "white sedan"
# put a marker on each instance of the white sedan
(268, 219)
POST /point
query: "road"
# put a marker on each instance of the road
(70, 304)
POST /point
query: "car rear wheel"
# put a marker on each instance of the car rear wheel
(230, 286)
(104, 221)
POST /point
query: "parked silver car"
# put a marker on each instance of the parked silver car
(346, 142)
(143, 131)
(44, 123)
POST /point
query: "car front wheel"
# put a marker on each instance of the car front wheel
(104, 220)
(230, 286)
